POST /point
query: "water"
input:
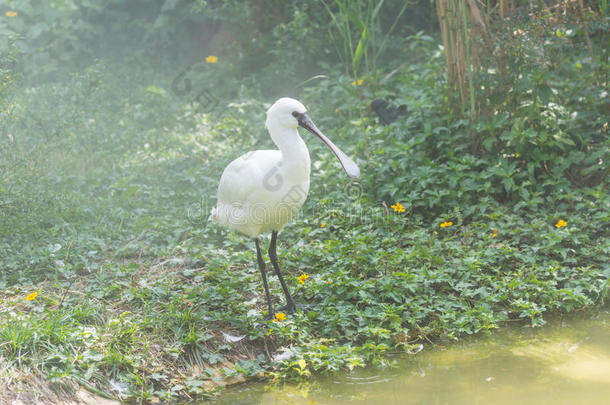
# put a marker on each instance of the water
(565, 362)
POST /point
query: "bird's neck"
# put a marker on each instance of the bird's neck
(295, 156)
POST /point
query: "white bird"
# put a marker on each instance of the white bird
(262, 190)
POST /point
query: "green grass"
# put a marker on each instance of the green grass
(104, 196)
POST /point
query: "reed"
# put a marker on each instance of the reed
(468, 28)
(462, 22)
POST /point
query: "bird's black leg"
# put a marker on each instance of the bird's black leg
(291, 306)
(261, 266)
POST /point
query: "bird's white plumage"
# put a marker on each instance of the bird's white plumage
(262, 190)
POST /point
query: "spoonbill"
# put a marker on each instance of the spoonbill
(262, 190)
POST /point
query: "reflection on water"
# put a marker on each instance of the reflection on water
(567, 362)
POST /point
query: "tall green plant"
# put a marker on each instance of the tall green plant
(357, 32)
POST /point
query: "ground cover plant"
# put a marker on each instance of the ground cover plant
(112, 279)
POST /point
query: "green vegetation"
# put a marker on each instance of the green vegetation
(110, 158)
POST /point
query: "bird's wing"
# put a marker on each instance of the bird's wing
(245, 175)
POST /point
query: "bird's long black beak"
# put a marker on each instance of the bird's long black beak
(351, 168)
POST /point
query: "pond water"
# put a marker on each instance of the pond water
(565, 362)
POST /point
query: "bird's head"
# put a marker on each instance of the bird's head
(290, 113)
(282, 113)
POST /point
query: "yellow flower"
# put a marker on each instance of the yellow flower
(398, 207)
(446, 224)
(336, 110)
(561, 223)
(211, 59)
(279, 316)
(11, 14)
(357, 82)
(495, 233)
(302, 278)
(323, 225)
(31, 296)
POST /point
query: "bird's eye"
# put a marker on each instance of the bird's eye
(299, 116)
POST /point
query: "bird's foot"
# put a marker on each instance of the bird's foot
(270, 316)
(292, 307)
(264, 324)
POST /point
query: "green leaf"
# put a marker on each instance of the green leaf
(360, 49)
